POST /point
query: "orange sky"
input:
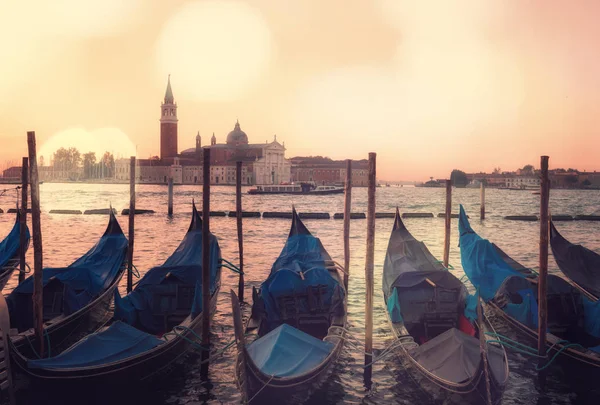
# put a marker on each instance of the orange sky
(430, 86)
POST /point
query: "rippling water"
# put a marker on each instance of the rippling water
(66, 237)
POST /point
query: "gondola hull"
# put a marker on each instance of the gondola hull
(62, 332)
(262, 388)
(582, 361)
(141, 369)
(473, 391)
(7, 271)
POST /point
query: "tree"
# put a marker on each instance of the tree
(459, 178)
(108, 161)
(497, 170)
(67, 159)
(527, 170)
(41, 161)
(586, 183)
(89, 160)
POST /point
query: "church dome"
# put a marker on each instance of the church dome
(237, 136)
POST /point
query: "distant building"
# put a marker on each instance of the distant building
(12, 174)
(261, 163)
(531, 182)
(325, 171)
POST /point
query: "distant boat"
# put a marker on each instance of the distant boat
(302, 188)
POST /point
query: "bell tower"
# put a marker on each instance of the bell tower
(168, 125)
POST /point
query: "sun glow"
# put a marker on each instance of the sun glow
(216, 51)
(102, 140)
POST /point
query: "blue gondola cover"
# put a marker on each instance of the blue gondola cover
(117, 342)
(287, 352)
(83, 280)
(183, 267)
(482, 264)
(9, 247)
(300, 265)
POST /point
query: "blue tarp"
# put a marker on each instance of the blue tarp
(287, 351)
(183, 267)
(83, 280)
(482, 264)
(393, 307)
(9, 247)
(527, 311)
(117, 342)
(591, 311)
(300, 265)
(471, 306)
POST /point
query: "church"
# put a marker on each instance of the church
(262, 163)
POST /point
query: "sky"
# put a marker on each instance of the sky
(430, 86)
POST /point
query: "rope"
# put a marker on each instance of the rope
(25, 271)
(136, 274)
(176, 332)
(233, 267)
(262, 388)
(47, 343)
(524, 349)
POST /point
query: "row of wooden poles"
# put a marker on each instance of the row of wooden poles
(30, 166)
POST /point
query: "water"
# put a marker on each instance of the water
(66, 237)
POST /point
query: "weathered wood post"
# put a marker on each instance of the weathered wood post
(483, 350)
(23, 225)
(131, 224)
(36, 228)
(347, 211)
(205, 263)
(447, 222)
(482, 208)
(170, 187)
(543, 270)
(6, 377)
(369, 267)
(238, 211)
(240, 338)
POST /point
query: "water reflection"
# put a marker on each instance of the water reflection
(66, 237)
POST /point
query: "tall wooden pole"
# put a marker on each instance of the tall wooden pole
(482, 208)
(483, 350)
(205, 263)
(23, 225)
(238, 211)
(447, 222)
(347, 211)
(170, 201)
(38, 314)
(543, 270)
(131, 224)
(369, 267)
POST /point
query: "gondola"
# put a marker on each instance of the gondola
(152, 327)
(296, 329)
(434, 324)
(76, 299)
(10, 250)
(511, 290)
(579, 264)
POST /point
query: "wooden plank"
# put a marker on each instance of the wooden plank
(240, 234)
(23, 219)
(347, 217)
(369, 267)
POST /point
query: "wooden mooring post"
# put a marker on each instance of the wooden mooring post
(170, 201)
(482, 207)
(447, 222)
(205, 264)
(6, 378)
(347, 211)
(23, 225)
(369, 268)
(543, 270)
(240, 234)
(36, 228)
(483, 350)
(131, 233)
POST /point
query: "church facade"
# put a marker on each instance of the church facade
(262, 163)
